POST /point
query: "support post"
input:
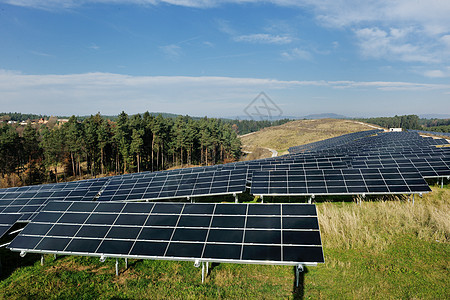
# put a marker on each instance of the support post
(207, 267)
(442, 183)
(42, 259)
(54, 256)
(126, 263)
(413, 198)
(235, 198)
(262, 199)
(117, 267)
(203, 272)
(298, 270)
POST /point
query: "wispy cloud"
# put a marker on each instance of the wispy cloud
(296, 53)
(94, 47)
(263, 38)
(171, 51)
(39, 53)
(208, 44)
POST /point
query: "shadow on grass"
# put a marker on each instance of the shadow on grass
(299, 291)
(10, 261)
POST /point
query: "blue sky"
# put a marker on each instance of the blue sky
(210, 57)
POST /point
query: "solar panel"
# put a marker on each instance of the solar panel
(446, 134)
(7, 221)
(30, 202)
(95, 183)
(285, 234)
(339, 182)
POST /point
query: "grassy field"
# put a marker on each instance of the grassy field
(299, 132)
(376, 250)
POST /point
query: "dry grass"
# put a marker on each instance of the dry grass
(373, 225)
(300, 132)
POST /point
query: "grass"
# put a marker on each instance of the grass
(376, 250)
(299, 132)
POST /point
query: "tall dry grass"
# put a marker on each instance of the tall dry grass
(375, 225)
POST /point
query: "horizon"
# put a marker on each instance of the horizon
(237, 118)
(208, 58)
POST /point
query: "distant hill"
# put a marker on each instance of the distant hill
(324, 116)
(262, 118)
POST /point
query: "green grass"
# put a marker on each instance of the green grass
(376, 250)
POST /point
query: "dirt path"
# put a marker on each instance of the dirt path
(274, 152)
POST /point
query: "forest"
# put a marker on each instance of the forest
(411, 122)
(437, 125)
(38, 153)
(405, 122)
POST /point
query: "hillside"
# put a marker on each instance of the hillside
(295, 133)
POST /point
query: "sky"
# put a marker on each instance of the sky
(225, 58)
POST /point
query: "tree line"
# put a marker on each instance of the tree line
(247, 126)
(405, 122)
(94, 146)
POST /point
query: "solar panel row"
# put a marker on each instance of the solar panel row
(339, 182)
(242, 233)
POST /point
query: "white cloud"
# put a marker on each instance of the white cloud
(394, 45)
(263, 38)
(434, 73)
(438, 73)
(296, 53)
(111, 93)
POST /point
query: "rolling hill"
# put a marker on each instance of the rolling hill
(295, 133)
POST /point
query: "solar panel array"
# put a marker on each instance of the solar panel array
(357, 152)
(285, 234)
